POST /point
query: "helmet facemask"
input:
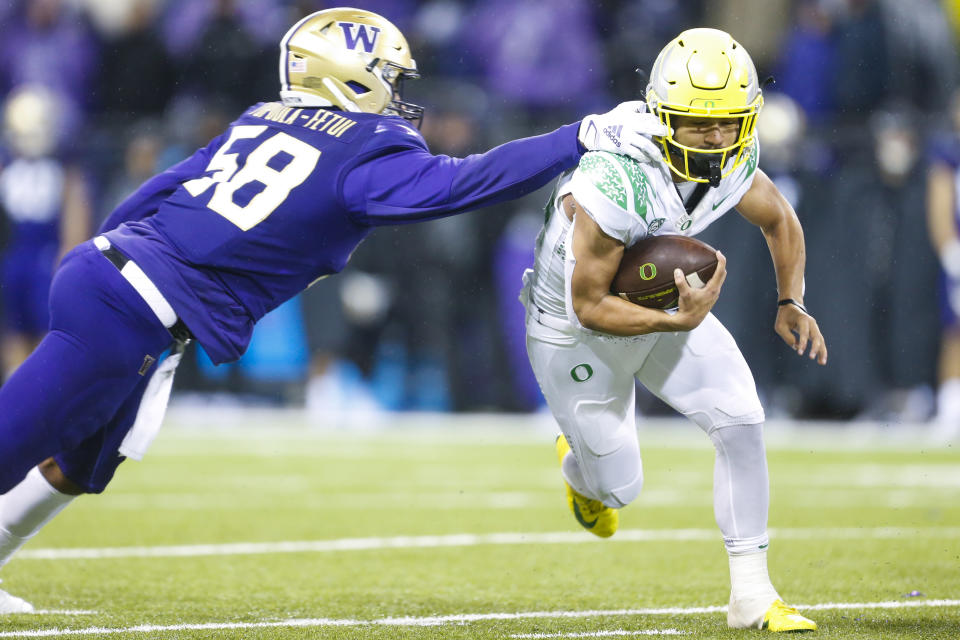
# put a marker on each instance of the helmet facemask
(395, 75)
(707, 165)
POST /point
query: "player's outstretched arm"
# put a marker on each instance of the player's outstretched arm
(397, 180)
(764, 206)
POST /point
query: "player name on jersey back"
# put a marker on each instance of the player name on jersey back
(321, 120)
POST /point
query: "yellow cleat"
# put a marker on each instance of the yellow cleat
(781, 617)
(593, 515)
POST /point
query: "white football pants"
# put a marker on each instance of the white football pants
(588, 382)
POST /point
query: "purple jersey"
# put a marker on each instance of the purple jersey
(31, 198)
(284, 197)
(946, 151)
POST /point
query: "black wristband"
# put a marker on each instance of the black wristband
(780, 303)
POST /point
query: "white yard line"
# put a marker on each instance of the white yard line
(470, 540)
(239, 426)
(826, 496)
(435, 621)
(616, 633)
(893, 604)
(63, 612)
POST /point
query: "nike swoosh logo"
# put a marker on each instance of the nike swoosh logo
(581, 519)
(721, 202)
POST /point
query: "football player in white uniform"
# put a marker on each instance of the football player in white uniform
(587, 346)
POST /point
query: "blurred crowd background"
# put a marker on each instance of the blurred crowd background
(99, 95)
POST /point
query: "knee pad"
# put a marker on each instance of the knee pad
(604, 440)
(615, 478)
(718, 388)
(622, 496)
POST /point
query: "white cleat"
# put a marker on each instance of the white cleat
(745, 614)
(13, 604)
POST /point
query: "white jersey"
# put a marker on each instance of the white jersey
(629, 200)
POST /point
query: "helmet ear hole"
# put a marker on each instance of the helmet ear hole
(358, 88)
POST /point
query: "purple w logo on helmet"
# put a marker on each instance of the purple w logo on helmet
(362, 34)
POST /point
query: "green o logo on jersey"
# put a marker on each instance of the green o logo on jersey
(648, 271)
(686, 225)
(581, 372)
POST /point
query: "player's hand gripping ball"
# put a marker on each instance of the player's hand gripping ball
(645, 276)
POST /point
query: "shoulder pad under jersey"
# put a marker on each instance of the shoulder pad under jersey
(616, 191)
(393, 131)
(619, 179)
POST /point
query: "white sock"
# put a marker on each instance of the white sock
(25, 509)
(751, 592)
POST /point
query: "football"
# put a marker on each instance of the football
(645, 276)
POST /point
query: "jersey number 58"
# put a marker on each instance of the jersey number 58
(277, 184)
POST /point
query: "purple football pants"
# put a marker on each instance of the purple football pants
(77, 395)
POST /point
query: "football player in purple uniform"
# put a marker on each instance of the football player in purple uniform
(203, 250)
(943, 220)
(45, 201)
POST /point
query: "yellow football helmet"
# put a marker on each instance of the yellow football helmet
(348, 58)
(705, 73)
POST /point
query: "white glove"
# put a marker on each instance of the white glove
(627, 130)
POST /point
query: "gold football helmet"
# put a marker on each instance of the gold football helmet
(707, 74)
(348, 58)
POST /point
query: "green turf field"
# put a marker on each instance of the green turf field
(280, 531)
